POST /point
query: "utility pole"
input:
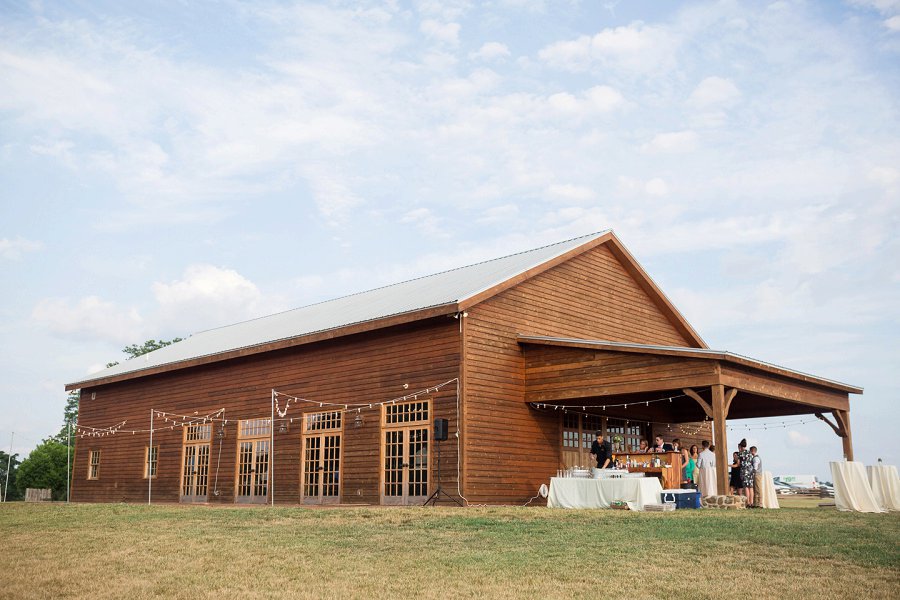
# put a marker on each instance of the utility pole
(8, 463)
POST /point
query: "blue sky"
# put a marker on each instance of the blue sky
(168, 167)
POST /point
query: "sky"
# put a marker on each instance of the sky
(171, 166)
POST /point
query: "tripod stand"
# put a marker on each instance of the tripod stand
(439, 491)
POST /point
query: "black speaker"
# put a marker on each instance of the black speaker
(440, 429)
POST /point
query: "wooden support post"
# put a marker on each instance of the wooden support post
(843, 419)
(720, 414)
(841, 427)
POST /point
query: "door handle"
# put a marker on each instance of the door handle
(405, 465)
(320, 468)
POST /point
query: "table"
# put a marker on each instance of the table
(575, 492)
(766, 497)
(885, 486)
(852, 490)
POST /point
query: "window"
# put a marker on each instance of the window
(406, 412)
(615, 431)
(633, 436)
(590, 425)
(255, 428)
(570, 430)
(198, 433)
(629, 434)
(150, 455)
(94, 465)
(322, 421)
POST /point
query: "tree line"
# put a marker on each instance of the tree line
(46, 465)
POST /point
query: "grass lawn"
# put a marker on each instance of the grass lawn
(137, 551)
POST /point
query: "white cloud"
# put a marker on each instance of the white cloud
(504, 213)
(656, 187)
(893, 23)
(91, 318)
(633, 48)
(14, 249)
(208, 296)
(885, 7)
(714, 91)
(446, 33)
(490, 51)
(570, 192)
(796, 439)
(424, 219)
(672, 142)
(604, 98)
(887, 177)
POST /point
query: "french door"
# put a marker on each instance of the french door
(320, 481)
(254, 443)
(195, 463)
(321, 468)
(405, 474)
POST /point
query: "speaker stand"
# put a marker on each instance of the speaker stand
(439, 491)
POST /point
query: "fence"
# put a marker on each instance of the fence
(36, 495)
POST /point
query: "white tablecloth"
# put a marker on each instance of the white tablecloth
(852, 490)
(765, 485)
(573, 492)
(707, 482)
(885, 486)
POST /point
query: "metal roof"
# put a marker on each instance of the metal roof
(432, 291)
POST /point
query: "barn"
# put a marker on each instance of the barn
(474, 385)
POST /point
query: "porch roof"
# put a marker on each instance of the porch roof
(602, 373)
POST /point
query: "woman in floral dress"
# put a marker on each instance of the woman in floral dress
(746, 471)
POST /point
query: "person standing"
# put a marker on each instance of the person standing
(734, 478)
(757, 476)
(706, 464)
(695, 455)
(746, 471)
(601, 451)
(687, 471)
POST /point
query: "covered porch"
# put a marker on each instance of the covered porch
(674, 385)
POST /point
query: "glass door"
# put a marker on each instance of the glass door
(253, 461)
(405, 452)
(195, 463)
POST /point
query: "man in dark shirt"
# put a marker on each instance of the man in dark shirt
(661, 446)
(601, 451)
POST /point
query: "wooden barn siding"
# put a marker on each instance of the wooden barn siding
(556, 373)
(369, 367)
(510, 449)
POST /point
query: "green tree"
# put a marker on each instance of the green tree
(70, 416)
(13, 492)
(45, 467)
(135, 350)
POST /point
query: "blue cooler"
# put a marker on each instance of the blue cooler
(681, 498)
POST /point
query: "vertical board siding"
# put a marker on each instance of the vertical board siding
(510, 449)
(363, 368)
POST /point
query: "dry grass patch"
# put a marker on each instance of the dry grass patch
(118, 551)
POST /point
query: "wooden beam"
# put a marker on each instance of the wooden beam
(719, 416)
(637, 387)
(836, 428)
(785, 389)
(729, 396)
(703, 404)
(843, 419)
